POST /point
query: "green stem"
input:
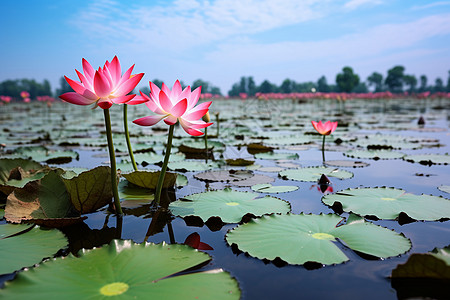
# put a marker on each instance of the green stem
(112, 159)
(217, 121)
(127, 136)
(164, 166)
(206, 144)
(323, 148)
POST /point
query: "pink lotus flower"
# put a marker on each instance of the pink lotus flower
(175, 105)
(24, 94)
(104, 87)
(324, 128)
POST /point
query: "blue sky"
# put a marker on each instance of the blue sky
(222, 40)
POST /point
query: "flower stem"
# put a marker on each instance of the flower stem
(164, 166)
(206, 144)
(323, 148)
(127, 136)
(112, 158)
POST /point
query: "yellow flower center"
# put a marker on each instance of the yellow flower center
(114, 289)
(388, 199)
(232, 203)
(322, 236)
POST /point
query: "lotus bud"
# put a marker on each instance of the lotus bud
(206, 117)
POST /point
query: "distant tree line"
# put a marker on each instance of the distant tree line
(396, 81)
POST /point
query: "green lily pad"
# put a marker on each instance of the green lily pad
(181, 180)
(255, 179)
(90, 190)
(288, 140)
(131, 192)
(227, 204)
(433, 265)
(276, 155)
(271, 189)
(27, 248)
(153, 158)
(192, 165)
(224, 175)
(42, 154)
(388, 203)
(124, 270)
(346, 163)
(312, 174)
(149, 180)
(429, 159)
(374, 154)
(298, 239)
(444, 188)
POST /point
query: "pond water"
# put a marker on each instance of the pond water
(261, 121)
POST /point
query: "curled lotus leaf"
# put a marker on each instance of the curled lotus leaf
(312, 174)
(388, 203)
(133, 271)
(241, 162)
(149, 180)
(8, 182)
(298, 239)
(227, 204)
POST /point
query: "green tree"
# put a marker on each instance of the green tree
(64, 87)
(287, 86)
(245, 85)
(322, 85)
(448, 82)
(394, 79)
(347, 80)
(423, 83)
(305, 87)
(267, 87)
(361, 88)
(411, 82)
(376, 80)
(438, 85)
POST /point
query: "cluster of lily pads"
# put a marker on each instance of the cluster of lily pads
(47, 180)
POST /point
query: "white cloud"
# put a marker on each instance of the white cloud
(354, 4)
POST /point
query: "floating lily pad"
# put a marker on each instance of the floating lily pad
(388, 203)
(131, 192)
(374, 154)
(224, 175)
(255, 179)
(271, 169)
(298, 239)
(277, 155)
(346, 163)
(192, 165)
(27, 248)
(313, 173)
(227, 204)
(153, 158)
(239, 162)
(90, 190)
(445, 188)
(288, 140)
(124, 270)
(429, 159)
(42, 154)
(149, 180)
(254, 148)
(271, 189)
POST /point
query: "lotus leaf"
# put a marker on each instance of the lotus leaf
(312, 174)
(271, 189)
(298, 239)
(125, 270)
(429, 159)
(388, 203)
(227, 204)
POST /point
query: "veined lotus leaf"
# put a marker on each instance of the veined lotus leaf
(255, 179)
(227, 204)
(388, 203)
(149, 180)
(224, 175)
(445, 188)
(239, 162)
(277, 155)
(429, 159)
(312, 174)
(7, 165)
(374, 154)
(271, 189)
(28, 247)
(42, 199)
(192, 165)
(434, 265)
(90, 190)
(298, 239)
(181, 181)
(288, 140)
(131, 192)
(125, 270)
(43, 154)
(346, 163)
(153, 158)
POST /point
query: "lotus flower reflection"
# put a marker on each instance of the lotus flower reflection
(175, 105)
(104, 87)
